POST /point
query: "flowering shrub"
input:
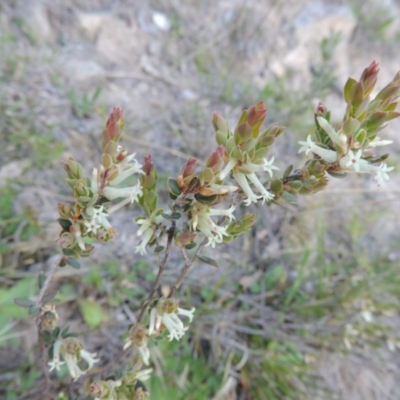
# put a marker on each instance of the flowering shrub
(201, 213)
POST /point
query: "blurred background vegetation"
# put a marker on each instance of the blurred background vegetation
(304, 307)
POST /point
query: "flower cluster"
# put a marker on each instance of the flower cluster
(72, 352)
(88, 218)
(245, 151)
(165, 315)
(126, 387)
(349, 157)
(201, 220)
(349, 149)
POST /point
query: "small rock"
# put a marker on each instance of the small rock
(161, 21)
(90, 23)
(118, 42)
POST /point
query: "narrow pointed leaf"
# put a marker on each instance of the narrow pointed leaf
(24, 302)
(73, 262)
(208, 261)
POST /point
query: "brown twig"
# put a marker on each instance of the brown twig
(186, 268)
(161, 269)
(42, 346)
(47, 282)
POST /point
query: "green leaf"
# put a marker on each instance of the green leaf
(46, 337)
(337, 175)
(347, 89)
(49, 296)
(24, 302)
(65, 331)
(287, 172)
(41, 280)
(208, 261)
(351, 125)
(92, 312)
(71, 334)
(175, 215)
(106, 161)
(191, 246)
(173, 187)
(55, 333)
(73, 262)
(9, 309)
(276, 186)
(209, 200)
(33, 310)
(159, 249)
(289, 197)
(65, 224)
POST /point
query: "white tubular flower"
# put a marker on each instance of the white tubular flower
(381, 174)
(73, 367)
(95, 181)
(78, 236)
(242, 182)
(141, 248)
(309, 146)
(186, 313)
(100, 216)
(266, 196)
(144, 353)
(361, 166)
(327, 127)
(91, 226)
(127, 161)
(138, 338)
(166, 312)
(126, 173)
(71, 351)
(201, 220)
(228, 168)
(248, 171)
(351, 160)
(226, 213)
(132, 193)
(89, 358)
(214, 188)
(144, 374)
(72, 363)
(378, 142)
(56, 362)
(268, 167)
(147, 230)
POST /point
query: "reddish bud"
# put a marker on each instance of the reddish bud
(114, 125)
(184, 238)
(121, 155)
(257, 114)
(369, 77)
(148, 165)
(189, 168)
(219, 123)
(321, 109)
(216, 157)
